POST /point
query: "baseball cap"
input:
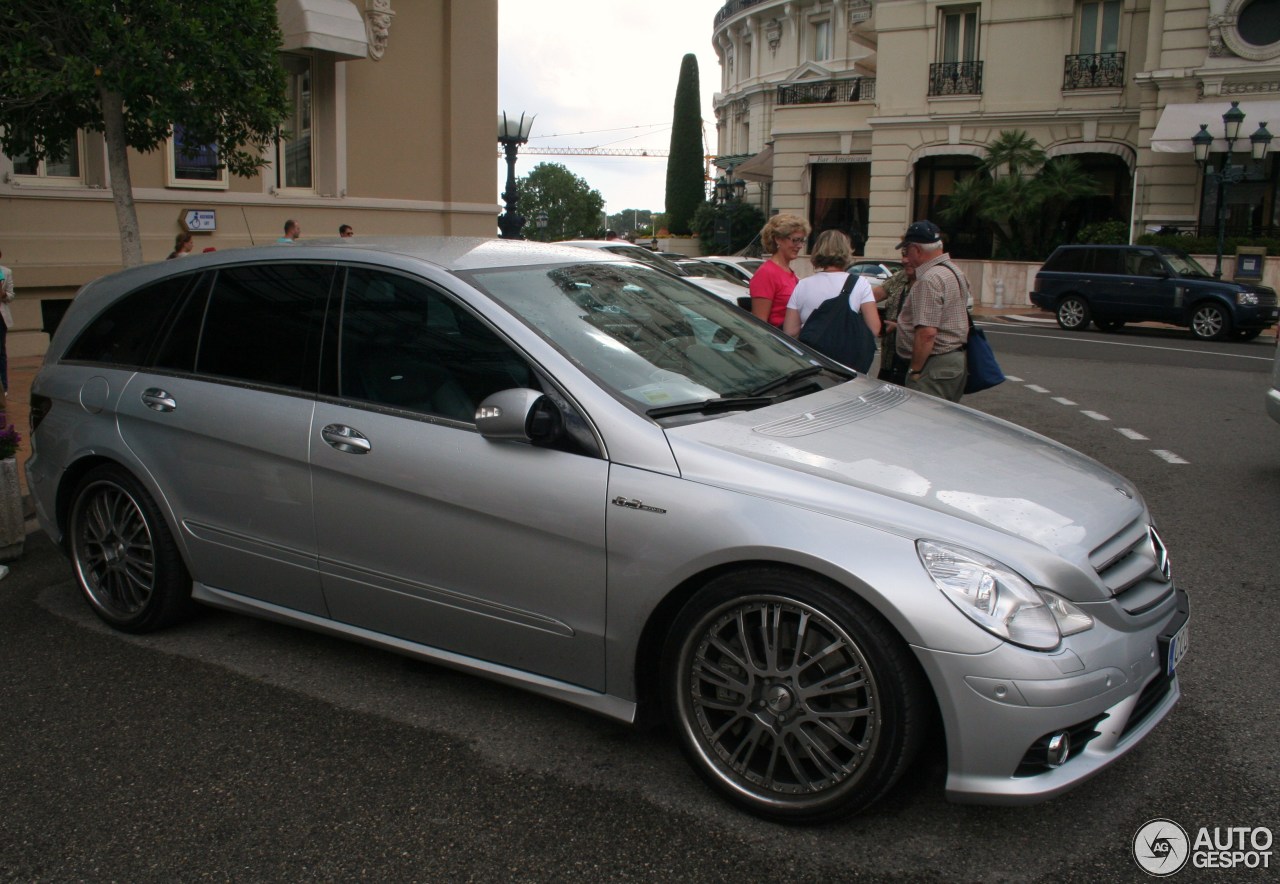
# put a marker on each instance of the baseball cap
(921, 232)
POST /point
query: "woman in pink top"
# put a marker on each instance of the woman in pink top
(783, 237)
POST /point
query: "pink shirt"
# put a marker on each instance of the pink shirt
(774, 284)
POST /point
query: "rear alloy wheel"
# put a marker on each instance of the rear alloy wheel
(1073, 313)
(790, 696)
(125, 559)
(1210, 321)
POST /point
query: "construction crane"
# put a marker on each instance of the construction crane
(707, 159)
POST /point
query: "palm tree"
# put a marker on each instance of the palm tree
(1021, 195)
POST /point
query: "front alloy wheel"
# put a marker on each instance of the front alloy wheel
(1210, 322)
(791, 697)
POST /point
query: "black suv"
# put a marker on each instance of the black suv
(1112, 285)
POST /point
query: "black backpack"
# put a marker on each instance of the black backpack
(838, 331)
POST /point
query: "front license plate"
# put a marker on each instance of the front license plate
(1177, 649)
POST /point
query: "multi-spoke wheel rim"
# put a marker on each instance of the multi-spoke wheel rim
(1071, 313)
(781, 700)
(113, 551)
(1208, 322)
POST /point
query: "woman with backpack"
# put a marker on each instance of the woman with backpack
(834, 311)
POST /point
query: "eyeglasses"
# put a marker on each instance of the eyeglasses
(798, 240)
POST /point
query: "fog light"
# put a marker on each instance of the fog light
(1059, 749)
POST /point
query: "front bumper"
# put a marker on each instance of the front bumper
(997, 725)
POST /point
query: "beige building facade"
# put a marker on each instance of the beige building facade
(862, 114)
(392, 132)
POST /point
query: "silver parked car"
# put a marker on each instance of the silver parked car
(576, 474)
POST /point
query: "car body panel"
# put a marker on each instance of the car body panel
(1273, 395)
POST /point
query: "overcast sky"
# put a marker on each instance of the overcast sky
(602, 73)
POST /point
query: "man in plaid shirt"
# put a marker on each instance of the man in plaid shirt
(933, 325)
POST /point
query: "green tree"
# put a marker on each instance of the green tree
(574, 209)
(132, 69)
(686, 189)
(1023, 196)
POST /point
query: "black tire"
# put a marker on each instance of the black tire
(1108, 325)
(742, 667)
(1210, 321)
(1073, 313)
(1246, 334)
(125, 559)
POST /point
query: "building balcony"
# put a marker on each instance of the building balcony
(1099, 70)
(733, 7)
(955, 78)
(828, 91)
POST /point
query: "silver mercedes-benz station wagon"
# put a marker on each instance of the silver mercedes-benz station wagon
(582, 476)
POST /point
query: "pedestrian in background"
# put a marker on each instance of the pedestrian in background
(346, 231)
(6, 320)
(845, 331)
(783, 236)
(183, 243)
(893, 368)
(292, 230)
(933, 325)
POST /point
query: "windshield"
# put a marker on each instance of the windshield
(1185, 265)
(644, 256)
(654, 341)
(710, 271)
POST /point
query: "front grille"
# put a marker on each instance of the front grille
(1266, 296)
(1036, 759)
(1135, 567)
(1151, 697)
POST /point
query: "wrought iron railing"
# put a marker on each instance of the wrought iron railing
(828, 91)
(955, 78)
(733, 7)
(1099, 70)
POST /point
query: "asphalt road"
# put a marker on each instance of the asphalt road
(233, 749)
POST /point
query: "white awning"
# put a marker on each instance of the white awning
(759, 168)
(1179, 122)
(328, 25)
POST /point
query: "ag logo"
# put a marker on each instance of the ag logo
(1161, 847)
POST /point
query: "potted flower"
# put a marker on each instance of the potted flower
(13, 530)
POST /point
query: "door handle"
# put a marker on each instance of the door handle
(346, 439)
(158, 400)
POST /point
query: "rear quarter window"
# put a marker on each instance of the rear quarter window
(1066, 261)
(126, 333)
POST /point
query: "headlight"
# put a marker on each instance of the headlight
(998, 599)
(1246, 299)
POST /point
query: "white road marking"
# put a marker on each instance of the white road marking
(1132, 434)
(1062, 401)
(996, 330)
(1010, 377)
(1036, 389)
(1168, 456)
(1095, 415)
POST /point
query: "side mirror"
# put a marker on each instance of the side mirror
(520, 414)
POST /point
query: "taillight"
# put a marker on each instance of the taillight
(40, 406)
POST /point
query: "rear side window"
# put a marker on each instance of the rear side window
(1067, 261)
(1108, 261)
(126, 332)
(263, 324)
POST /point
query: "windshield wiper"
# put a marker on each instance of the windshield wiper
(712, 406)
(787, 379)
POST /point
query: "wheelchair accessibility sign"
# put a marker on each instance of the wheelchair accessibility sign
(200, 220)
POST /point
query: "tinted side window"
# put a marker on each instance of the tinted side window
(125, 333)
(263, 324)
(1067, 261)
(406, 345)
(1108, 260)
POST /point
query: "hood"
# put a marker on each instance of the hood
(879, 454)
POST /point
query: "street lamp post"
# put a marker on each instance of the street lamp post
(542, 226)
(725, 197)
(1202, 142)
(512, 132)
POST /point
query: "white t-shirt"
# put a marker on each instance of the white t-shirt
(811, 291)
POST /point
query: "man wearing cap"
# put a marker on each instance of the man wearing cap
(933, 324)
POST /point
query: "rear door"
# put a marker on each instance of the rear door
(431, 533)
(221, 421)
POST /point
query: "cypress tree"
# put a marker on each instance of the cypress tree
(685, 189)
